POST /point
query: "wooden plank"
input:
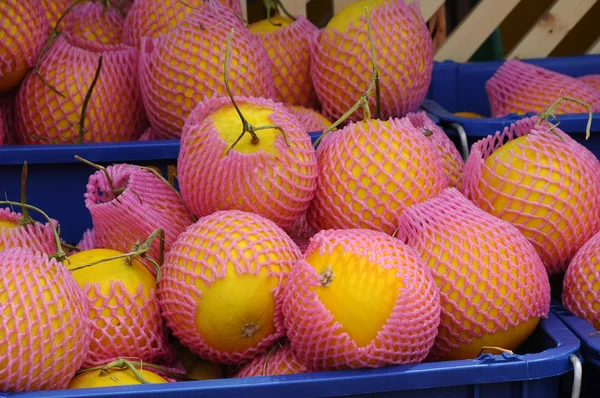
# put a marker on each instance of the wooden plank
(295, 7)
(549, 31)
(339, 4)
(244, 9)
(595, 48)
(428, 7)
(474, 29)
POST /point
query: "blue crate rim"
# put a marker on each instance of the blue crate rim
(582, 329)
(549, 363)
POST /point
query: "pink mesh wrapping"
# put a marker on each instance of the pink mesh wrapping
(289, 51)
(483, 269)
(7, 113)
(152, 18)
(148, 135)
(35, 237)
(280, 360)
(175, 75)
(581, 286)
(146, 204)
(558, 223)
(202, 258)
(520, 87)
(407, 334)
(22, 40)
(301, 232)
(94, 22)
(277, 186)
(87, 240)
(451, 158)
(54, 9)
(140, 333)
(115, 110)
(44, 333)
(342, 65)
(309, 119)
(370, 171)
(592, 80)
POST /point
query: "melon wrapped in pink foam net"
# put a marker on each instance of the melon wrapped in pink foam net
(592, 80)
(146, 204)
(520, 87)
(342, 64)
(289, 51)
(278, 185)
(202, 258)
(44, 333)
(310, 119)
(94, 22)
(384, 270)
(370, 171)
(451, 158)
(548, 187)
(36, 237)
(581, 285)
(176, 74)
(473, 256)
(115, 110)
(279, 360)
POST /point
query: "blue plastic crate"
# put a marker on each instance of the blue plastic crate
(590, 348)
(538, 372)
(457, 87)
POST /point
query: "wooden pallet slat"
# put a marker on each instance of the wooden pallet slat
(595, 48)
(428, 7)
(548, 32)
(295, 7)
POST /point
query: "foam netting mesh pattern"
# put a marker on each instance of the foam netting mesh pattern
(87, 240)
(23, 32)
(148, 135)
(125, 324)
(185, 66)
(202, 256)
(152, 18)
(593, 80)
(548, 187)
(342, 66)
(94, 22)
(451, 157)
(520, 87)
(115, 111)
(289, 51)
(278, 185)
(44, 333)
(147, 204)
(36, 237)
(279, 360)
(310, 119)
(370, 171)
(301, 232)
(408, 331)
(490, 277)
(581, 285)
(54, 9)
(7, 113)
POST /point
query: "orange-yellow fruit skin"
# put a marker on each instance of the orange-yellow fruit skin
(95, 23)
(114, 378)
(23, 31)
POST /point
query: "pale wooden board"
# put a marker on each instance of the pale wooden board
(595, 48)
(428, 7)
(295, 7)
(474, 29)
(554, 25)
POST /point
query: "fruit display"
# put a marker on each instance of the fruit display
(318, 220)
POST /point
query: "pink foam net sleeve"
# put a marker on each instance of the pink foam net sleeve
(342, 66)
(473, 256)
(279, 360)
(7, 113)
(549, 191)
(407, 334)
(36, 237)
(94, 22)
(87, 240)
(310, 119)
(44, 333)
(592, 80)
(520, 87)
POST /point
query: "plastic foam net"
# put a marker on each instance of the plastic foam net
(152, 18)
(185, 66)
(54, 9)
(342, 65)
(36, 237)
(87, 240)
(519, 87)
(94, 22)
(581, 286)
(310, 119)
(7, 114)
(451, 158)
(277, 181)
(592, 80)
(279, 360)
(115, 109)
(230, 258)
(301, 232)
(370, 171)
(490, 277)
(146, 204)
(289, 50)
(360, 298)
(44, 333)
(546, 184)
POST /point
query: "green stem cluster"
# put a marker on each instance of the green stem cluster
(275, 5)
(123, 364)
(550, 113)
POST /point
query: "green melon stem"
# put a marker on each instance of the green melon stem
(123, 364)
(86, 100)
(26, 218)
(550, 113)
(276, 5)
(115, 192)
(246, 127)
(364, 99)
